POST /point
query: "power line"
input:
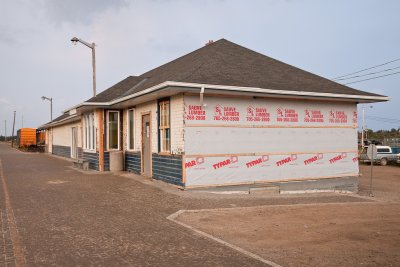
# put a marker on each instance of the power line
(381, 119)
(373, 67)
(371, 73)
(374, 78)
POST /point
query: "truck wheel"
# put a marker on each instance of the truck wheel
(383, 161)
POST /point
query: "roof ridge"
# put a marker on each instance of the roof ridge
(287, 64)
(199, 67)
(207, 46)
(226, 63)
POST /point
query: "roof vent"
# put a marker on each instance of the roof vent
(209, 42)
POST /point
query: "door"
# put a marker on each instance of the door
(74, 143)
(146, 145)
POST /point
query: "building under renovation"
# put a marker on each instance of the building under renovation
(220, 115)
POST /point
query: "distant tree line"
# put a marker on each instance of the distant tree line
(3, 138)
(381, 134)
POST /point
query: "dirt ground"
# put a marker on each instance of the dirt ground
(326, 234)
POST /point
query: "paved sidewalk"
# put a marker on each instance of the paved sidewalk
(66, 217)
(7, 257)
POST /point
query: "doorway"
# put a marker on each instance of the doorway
(146, 145)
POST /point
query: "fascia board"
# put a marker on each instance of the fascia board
(60, 122)
(280, 92)
(356, 98)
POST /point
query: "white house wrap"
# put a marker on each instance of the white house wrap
(230, 140)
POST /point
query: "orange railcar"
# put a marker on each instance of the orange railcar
(26, 137)
(40, 137)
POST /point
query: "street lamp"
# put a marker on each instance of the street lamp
(363, 128)
(51, 105)
(92, 46)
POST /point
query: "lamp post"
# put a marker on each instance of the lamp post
(51, 105)
(92, 46)
(363, 126)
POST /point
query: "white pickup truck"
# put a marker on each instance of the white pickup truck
(383, 157)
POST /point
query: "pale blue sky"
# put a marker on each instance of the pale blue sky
(328, 38)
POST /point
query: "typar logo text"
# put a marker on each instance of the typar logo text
(286, 160)
(196, 162)
(226, 162)
(313, 159)
(338, 158)
(257, 161)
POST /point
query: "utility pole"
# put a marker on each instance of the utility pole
(364, 127)
(94, 67)
(5, 130)
(12, 135)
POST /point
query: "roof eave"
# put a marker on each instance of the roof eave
(225, 89)
(60, 122)
(355, 98)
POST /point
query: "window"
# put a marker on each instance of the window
(383, 150)
(131, 133)
(164, 126)
(90, 132)
(113, 130)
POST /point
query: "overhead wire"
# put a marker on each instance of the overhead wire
(371, 73)
(373, 78)
(373, 67)
(381, 119)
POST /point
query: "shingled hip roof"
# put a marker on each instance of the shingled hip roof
(60, 120)
(226, 64)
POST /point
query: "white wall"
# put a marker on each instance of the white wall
(233, 140)
(62, 135)
(177, 122)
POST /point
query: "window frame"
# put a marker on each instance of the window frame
(118, 130)
(162, 128)
(128, 136)
(89, 142)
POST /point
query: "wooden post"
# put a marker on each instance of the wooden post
(101, 139)
(12, 135)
